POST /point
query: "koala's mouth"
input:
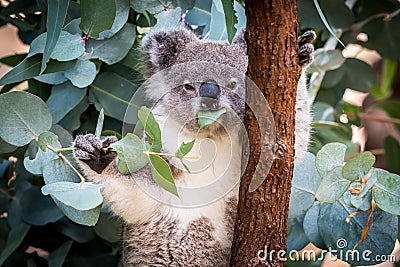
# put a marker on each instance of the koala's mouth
(209, 104)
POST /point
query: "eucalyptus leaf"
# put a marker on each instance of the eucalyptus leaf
(310, 226)
(392, 148)
(206, 117)
(168, 19)
(23, 117)
(52, 78)
(329, 157)
(358, 166)
(97, 16)
(185, 148)
(64, 98)
(28, 68)
(162, 175)
(72, 121)
(296, 239)
(14, 239)
(387, 191)
(304, 186)
(37, 209)
(57, 257)
(68, 46)
(45, 139)
(341, 237)
(121, 16)
(130, 151)
(152, 6)
(113, 93)
(83, 74)
(75, 195)
(99, 126)
(84, 217)
(325, 60)
(332, 186)
(230, 18)
(151, 127)
(115, 48)
(73, 27)
(56, 13)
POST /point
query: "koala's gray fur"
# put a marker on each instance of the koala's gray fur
(158, 234)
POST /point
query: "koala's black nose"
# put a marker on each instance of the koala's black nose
(210, 90)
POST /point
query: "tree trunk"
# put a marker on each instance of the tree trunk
(271, 36)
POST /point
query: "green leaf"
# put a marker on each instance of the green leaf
(122, 13)
(23, 117)
(114, 93)
(310, 226)
(57, 257)
(130, 153)
(358, 167)
(332, 186)
(75, 195)
(57, 10)
(28, 68)
(13, 60)
(83, 74)
(64, 98)
(206, 117)
(52, 78)
(99, 126)
(392, 155)
(341, 237)
(323, 18)
(388, 72)
(329, 157)
(323, 112)
(37, 209)
(85, 217)
(46, 138)
(68, 46)
(97, 16)
(184, 4)
(218, 30)
(325, 60)
(230, 18)
(162, 175)
(387, 191)
(72, 121)
(115, 48)
(73, 27)
(14, 239)
(109, 227)
(168, 19)
(185, 148)
(153, 6)
(6, 147)
(304, 185)
(151, 127)
(200, 14)
(296, 238)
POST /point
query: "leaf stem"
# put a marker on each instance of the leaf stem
(147, 152)
(65, 149)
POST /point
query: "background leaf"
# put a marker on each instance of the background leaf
(23, 117)
(57, 257)
(97, 16)
(57, 10)
(14, 239)
(161, 173)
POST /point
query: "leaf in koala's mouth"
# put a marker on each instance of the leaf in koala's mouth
(206, 117)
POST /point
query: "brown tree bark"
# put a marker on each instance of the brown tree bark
(271, 36)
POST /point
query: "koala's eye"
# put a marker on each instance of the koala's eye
(188, 87)
(232, 84)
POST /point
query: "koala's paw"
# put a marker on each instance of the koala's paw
(91, 150)
(306, 49)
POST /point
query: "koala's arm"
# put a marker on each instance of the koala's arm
(303, 104)
(121, 193)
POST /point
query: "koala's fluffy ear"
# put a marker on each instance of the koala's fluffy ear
(162, 47)
(239, 39)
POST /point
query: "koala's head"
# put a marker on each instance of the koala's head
(191, 75)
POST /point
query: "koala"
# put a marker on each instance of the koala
(187, 75)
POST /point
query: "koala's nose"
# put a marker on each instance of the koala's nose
(210, 90)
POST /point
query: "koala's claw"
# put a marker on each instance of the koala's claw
(91, 150)
(306, 49)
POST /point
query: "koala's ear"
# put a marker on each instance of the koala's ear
(162, 47)
(239, 39)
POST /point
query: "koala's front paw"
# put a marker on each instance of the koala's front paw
(306, 49)
(91, 150)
